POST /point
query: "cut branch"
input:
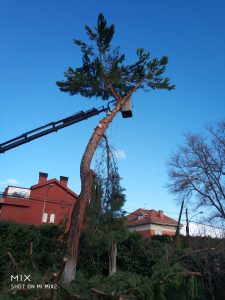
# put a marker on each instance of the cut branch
(14, 262)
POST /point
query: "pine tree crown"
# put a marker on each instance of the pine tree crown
(103, 67)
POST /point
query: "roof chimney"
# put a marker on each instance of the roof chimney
(42, 177)
(64, 180)
(161, 214)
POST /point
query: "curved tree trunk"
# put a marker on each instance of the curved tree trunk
(87, 180)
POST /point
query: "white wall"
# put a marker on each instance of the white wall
(158, 228)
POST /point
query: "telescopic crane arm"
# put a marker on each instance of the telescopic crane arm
(49, 128)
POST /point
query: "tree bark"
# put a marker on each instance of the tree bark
(87, 180)
(112, 259)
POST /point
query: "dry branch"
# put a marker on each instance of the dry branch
(197, 251)
(13, 292)
(110, 295)
(14, 262)
(185, 273)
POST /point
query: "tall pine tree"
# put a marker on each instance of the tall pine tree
(104, 74)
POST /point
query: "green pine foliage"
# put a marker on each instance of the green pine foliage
(129, 285)
(104, 66)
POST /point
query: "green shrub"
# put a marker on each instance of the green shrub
(15, 253)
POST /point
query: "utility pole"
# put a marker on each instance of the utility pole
(178, 223)
(176, 239)
(187, 227)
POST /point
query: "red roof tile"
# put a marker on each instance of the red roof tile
(143, 216)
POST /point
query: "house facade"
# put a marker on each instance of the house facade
(48, 201)
(151, 222)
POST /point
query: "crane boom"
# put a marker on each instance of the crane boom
(50, 127)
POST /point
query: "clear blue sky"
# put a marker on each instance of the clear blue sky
(37, 47)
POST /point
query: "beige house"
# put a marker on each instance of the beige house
(151, 222)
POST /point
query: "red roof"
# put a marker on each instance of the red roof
(54, 180)
(143, 216)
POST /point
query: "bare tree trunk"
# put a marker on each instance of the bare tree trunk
(76, 226)
(112, 259)
(87, 180)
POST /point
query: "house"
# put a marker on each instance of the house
(151, 222)
(48, 201)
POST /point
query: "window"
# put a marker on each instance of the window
(44, 218)
(141, 216)
(52, 218)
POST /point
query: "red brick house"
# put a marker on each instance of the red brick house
(48, 201)
(151, 222)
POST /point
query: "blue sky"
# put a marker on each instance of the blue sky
(37, 47)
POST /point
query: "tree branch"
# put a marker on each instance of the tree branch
(184, 273)
(14, 262)
(111, 295)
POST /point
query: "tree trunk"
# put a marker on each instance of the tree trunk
(76, 226)
(87, 180)
(112, 259)
(70, 269)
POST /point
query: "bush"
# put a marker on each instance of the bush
(15, 253)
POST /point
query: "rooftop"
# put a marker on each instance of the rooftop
(143, 216)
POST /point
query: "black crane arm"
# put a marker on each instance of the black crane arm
(51, 127)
